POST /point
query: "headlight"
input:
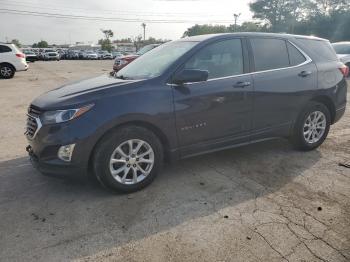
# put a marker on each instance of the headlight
(59, 116)
(121, 62)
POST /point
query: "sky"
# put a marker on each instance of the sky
(166, 19)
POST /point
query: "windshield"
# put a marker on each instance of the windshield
(156, 61)
(342, 48)
(145, 49)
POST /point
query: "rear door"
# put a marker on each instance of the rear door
(284, 77)
(6, 54)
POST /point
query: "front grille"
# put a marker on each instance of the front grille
(33, 122)
(34, 111)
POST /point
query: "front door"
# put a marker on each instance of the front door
(217, 112)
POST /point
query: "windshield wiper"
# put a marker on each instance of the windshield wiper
(123, 77)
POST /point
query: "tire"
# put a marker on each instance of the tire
(7, 71)
(312, 111)
(108, 149)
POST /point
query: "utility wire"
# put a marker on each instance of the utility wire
(102, 18)
(119, 12)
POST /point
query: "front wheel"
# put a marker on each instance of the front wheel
(311, 127)
(128, 159)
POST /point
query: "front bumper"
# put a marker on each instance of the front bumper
(339, 113)
(54, 166)
(52, 57)
(43, 147)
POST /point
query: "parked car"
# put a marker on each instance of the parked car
(117, 54)
(107, 55)
(41, 55)
(188, 97)
(11, 60)
(51, 54)
(343, 51)
(73, 54)
(100, 54)
(121, 62)
(30, 56)
(81, 54)
(91, 55)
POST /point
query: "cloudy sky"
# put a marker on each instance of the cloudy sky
(34, 20)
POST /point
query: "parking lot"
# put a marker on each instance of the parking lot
(264, 202)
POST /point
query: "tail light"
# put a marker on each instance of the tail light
(344, 70)
(20, 55)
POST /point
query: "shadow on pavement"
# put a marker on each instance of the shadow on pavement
(46, 217)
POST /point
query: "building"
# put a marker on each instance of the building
(82, 46)
(124, 47)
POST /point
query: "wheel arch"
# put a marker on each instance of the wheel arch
(325, 100)
(8, 64)
(139, 123)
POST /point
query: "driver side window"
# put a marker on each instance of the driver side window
(220, 59)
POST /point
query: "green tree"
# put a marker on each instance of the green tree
(205, 29)
(16, 43)
(279, 15)
(334, 26)
(108, 33)
(106, 43)
(247, 27)
(41, 44)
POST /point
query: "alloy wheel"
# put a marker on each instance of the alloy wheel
(131, 161)
(6, 71)
(314, 127)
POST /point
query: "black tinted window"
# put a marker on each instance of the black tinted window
(295, 56)
(342, 48)
(323, 49)
(4, 49)
(219, 59)
(269, 53)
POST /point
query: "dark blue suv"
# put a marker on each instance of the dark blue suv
(188, 97)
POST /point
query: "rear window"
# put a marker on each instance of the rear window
(5, 49)
(295, 56)
(323, 49)
(269, 53)
(342, 49)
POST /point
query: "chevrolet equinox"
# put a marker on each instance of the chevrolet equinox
(188, 97)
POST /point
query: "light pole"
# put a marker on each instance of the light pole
(236, 16)
(144, 31)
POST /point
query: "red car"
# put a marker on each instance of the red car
(120, 62)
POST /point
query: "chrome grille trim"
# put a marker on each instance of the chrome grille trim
(33, 124)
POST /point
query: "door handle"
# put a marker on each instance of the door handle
(304, 73)
(241, 84)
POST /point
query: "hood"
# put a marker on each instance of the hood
(128, 57)
(79, 92)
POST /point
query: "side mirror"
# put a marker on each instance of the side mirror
(190, 76)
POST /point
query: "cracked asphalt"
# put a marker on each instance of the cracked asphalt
(263, 202)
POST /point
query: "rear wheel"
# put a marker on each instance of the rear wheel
(128, 159)
(311, 127)
(7, 71)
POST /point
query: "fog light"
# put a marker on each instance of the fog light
(65, 152)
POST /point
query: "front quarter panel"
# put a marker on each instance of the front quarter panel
(152, 104)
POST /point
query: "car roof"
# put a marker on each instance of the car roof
(2, 43)
(200, 38)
